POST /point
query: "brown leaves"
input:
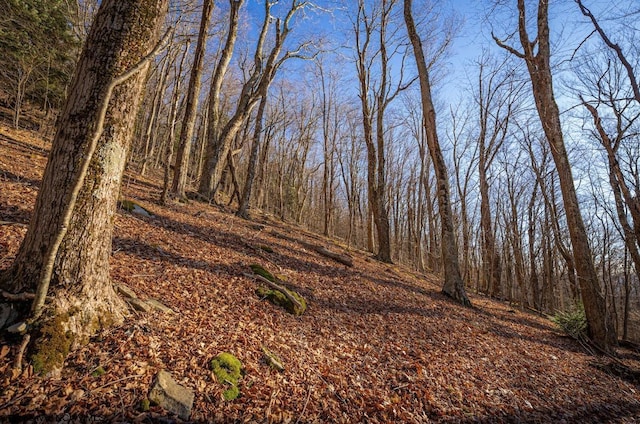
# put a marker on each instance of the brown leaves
(377, 344)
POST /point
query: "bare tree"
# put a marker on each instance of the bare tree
(495, 99)
(183, 157)
(453, 284)
(172, 118)
(256, 87)
(373, 26)
(537, 53)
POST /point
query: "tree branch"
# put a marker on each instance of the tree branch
(613, 46)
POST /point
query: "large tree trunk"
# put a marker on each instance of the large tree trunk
(601, 329)
(183, 156)
(83, 299)
(453, 285)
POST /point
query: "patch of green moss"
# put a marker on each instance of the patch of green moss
(231, 393)
(98, 372)
(53, 345)
(145, 405)
(259, 270)
(280, 299)
(228, 370)
(126, 205)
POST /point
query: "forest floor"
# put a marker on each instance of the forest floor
(378, 343)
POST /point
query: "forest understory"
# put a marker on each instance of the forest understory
(378, 343)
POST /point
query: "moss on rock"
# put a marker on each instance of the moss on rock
(228, 370)
(259, 270)
(126, 205)
(266, 248)
(280, 299)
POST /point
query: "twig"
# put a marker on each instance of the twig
(273, 285)
(18, 297)
(13, 223)
(304, 408)
(25, 341)
(343, 259)
(129, 377)
(271, 401)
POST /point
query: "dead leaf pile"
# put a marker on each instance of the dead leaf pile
(378, 343)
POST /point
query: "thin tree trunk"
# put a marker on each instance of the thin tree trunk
(207, 182)
(453, 285)
(601, 329)
(243, 208)
(175, 100)
(183, 156)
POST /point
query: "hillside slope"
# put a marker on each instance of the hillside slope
(378, 343)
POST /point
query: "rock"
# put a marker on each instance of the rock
(171, 396)
(279, 298)
(272, 359)
(132, 207)
(8, 314)
(159, 306)
(139, 305)
(126, 291)
(137, 209)
(18, 328)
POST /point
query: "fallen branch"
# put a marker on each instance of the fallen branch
(13, 223)
(304, 408)
(343, 259)
(275, 286)
(18, 297)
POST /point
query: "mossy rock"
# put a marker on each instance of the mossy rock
(278, 298)
(145, 405)
(228, 370)
(259, 270)
(272, 359)
(132, 207)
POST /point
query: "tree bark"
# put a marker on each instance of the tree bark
(243, 208)
(453, 285)
(183, 156)
(83, 299)
(601, 329)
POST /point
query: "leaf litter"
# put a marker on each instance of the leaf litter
(378, 343)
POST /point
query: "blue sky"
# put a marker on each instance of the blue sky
(475, 21)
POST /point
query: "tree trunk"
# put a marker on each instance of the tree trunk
(149, 134)
(243, 208)
(183, 156)
(601, 330)
(173, 116)
(207, 184)
(83, 299)
(453, 285)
